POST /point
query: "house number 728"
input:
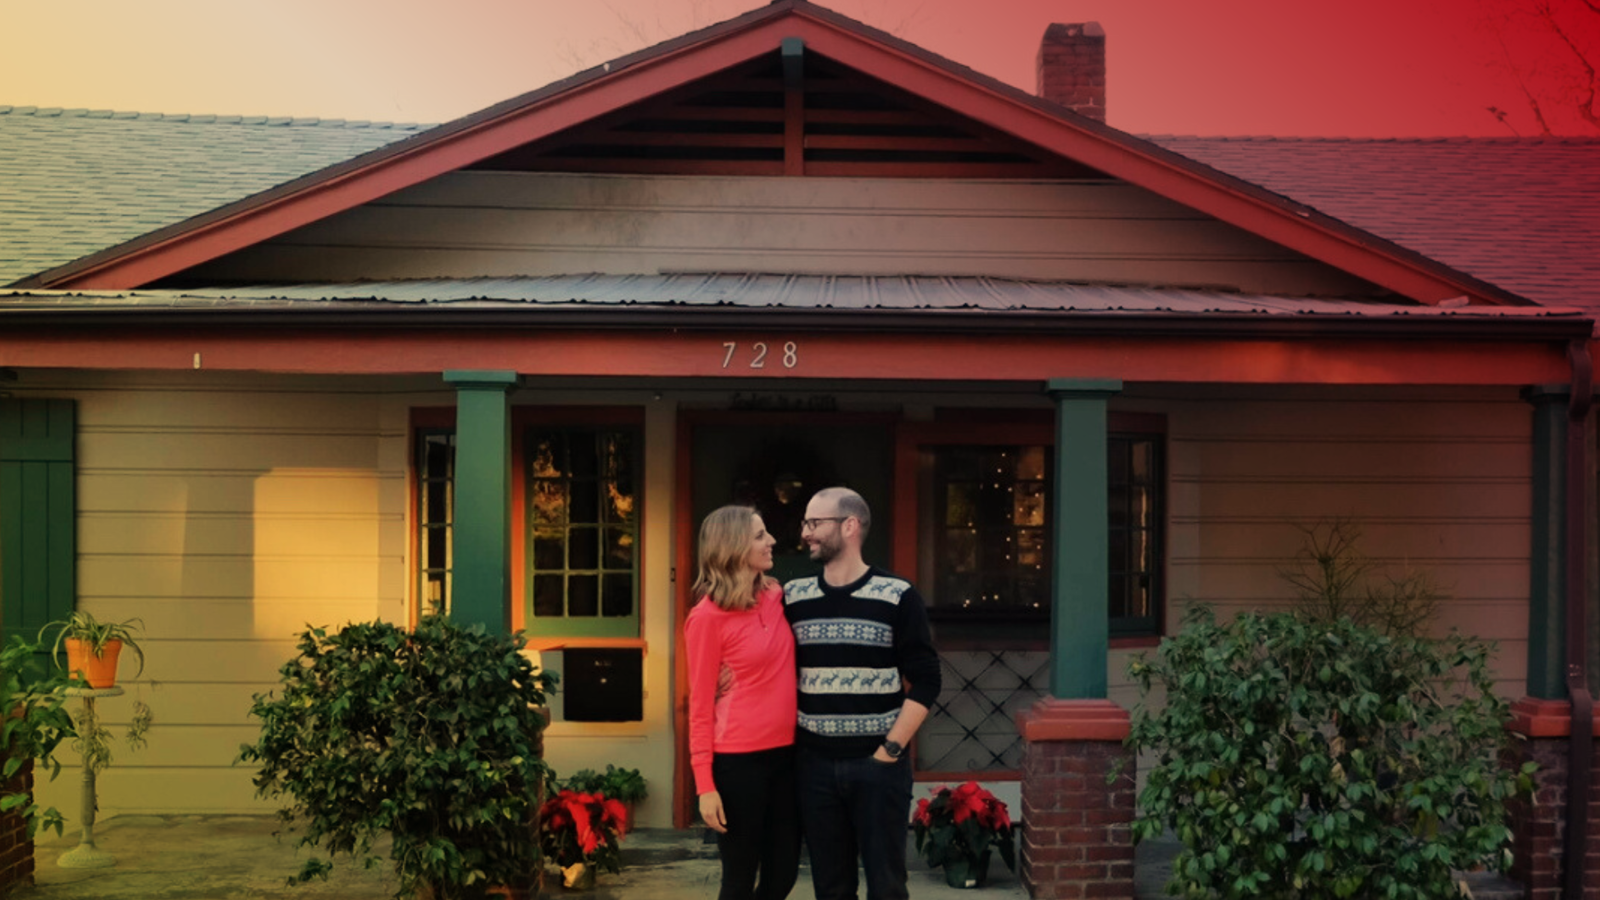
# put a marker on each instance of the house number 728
(759, 351)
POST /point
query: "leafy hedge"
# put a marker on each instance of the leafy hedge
(431, 735)
(1315, 760)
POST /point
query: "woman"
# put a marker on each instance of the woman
(742, 707)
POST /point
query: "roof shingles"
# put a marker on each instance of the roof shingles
(73, 182)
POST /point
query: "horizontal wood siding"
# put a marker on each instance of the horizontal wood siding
(1438, 482)
(471, 224)
(227, 513)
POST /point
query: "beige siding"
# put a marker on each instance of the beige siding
(470, 224)
(226, 512)
(1438, 481)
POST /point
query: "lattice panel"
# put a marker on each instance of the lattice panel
(972, 727)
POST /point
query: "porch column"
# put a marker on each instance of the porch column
(1080, 624)
(1076, 835)
(481, 563)
(1544, 715)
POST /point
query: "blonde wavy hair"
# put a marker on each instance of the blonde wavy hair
(724, 546)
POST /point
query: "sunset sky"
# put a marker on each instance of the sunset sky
(1287, 67)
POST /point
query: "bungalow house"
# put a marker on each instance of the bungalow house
(504, 365)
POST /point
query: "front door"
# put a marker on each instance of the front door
(775, 465)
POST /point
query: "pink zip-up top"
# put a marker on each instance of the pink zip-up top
(757, 712)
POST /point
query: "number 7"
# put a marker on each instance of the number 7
(729, 357)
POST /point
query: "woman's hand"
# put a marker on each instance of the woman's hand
(711, 811)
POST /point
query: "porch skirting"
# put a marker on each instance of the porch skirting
(1538, 823)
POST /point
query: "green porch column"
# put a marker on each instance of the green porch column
(1080, 627)
(1547, 588)
(481, 564)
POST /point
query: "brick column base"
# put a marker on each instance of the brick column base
(1538, 824)
(16, 848)
(1076, 839)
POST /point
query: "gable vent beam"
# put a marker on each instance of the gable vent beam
(794, 106)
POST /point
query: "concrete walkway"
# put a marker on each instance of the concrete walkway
(227, 857)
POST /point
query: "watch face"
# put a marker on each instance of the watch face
(893, 749)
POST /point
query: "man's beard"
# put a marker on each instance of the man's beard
(824, 552)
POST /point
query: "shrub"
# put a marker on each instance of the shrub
(1313, 760)
(35, 723)
(1335, 580)
(626, 785)
(431, 736)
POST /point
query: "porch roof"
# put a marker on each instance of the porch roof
(836, 301)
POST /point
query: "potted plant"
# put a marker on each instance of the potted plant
(581, 833)
(958, 828)
(93, 646)
(429, 736)
(624, 785)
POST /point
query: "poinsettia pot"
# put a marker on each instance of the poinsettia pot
(966, 871)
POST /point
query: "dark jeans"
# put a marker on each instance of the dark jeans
(852, 808)
(763, 838)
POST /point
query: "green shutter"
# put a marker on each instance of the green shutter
(38, 531)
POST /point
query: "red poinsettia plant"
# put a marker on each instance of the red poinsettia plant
(583, 828)
(959, 826)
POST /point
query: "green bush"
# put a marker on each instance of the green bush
(431, 736)
(1313, 760)
(626, 785)
(36, 724)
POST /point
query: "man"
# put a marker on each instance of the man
(868, 673)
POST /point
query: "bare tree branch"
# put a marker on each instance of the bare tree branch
(1585, 105)
(1522, 83)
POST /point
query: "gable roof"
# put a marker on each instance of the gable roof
(1522, 213)
(675, 63)
(76, 181)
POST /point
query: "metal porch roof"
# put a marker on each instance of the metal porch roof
(737, 291)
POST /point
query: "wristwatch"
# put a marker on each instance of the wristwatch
(893, 748)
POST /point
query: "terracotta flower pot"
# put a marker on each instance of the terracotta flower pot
(100, 671)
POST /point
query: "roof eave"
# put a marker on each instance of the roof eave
(349, 317)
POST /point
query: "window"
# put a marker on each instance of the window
(575, 519)
(436, 465)
(988, 524)
(582, 531)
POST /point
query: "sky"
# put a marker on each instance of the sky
(1354, 68)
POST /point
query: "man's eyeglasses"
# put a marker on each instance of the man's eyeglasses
(814, 524)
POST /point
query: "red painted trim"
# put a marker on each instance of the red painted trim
(1051, 719)
(1536, 717)
(684, 798)
(542, 116)
(842, 356)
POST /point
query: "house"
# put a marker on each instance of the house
(504, 365)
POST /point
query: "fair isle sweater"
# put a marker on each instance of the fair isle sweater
(856, 645)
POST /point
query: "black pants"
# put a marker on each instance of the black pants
(856, 808)
(763, 837)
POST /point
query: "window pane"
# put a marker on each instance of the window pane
(1032, 551)
(619, 548)
(548, 597)
(583, 548)
(618, 597)
(582, 454)
(549, 503)
(549, 550)
(583, 595)
(961, 550)
(1028, 503)
(585, 508)
(617, 450)
(619, 502)
(961, 505)
(1117, 462)
(547, 456)
(1031, 463)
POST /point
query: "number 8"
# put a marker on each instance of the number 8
(791, 355)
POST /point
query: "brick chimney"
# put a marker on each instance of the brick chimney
(1072, 68)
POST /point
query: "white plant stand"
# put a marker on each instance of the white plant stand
(86, 855)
